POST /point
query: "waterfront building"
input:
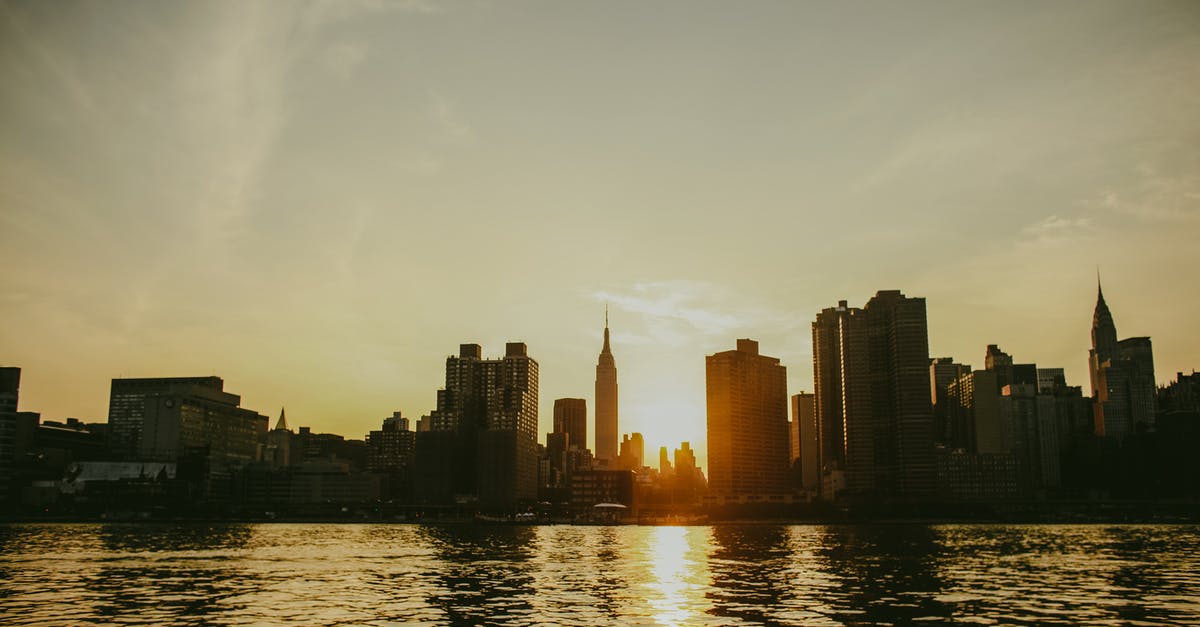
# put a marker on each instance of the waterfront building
(390, 449)
(1122, 372)
(747, 408)
(10, 385)
(482, 442)
(594, 487)
(831, 331)
(606, 402)
(191, 421)
(128, 400)
(874, 408)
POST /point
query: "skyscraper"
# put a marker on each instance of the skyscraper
(828, 382)
(606, 402)
(747, 424)
(10, 384)
(1122, 372)
(482, 442)
(874, 411)
(570, 417)
(804, 439)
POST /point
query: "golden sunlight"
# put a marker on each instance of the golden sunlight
(678, 570)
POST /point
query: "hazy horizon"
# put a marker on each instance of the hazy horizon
(318, 202)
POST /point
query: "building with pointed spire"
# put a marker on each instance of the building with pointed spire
(1122, 372)
(280, 443)
(606, 402)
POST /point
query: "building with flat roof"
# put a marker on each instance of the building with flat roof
(482, 442)
(747, 424)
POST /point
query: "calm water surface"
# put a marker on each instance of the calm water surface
(233, 574)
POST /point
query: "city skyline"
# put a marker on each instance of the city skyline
(315, 201)
(699, 441)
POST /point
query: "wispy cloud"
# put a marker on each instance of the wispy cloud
(343, 57)
(1156, 196)
(678, 312)
(1054, 229)
(688, 302)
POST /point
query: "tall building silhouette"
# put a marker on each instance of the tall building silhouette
(803, 440)
(747, 425)
(955, 434)
(570, 418)
(828, 382)
(482, 441)
(633, 452)
(10, 384)
(606, 402)
(874, 410)
(1122, 372)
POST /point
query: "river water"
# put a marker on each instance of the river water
(318, 574)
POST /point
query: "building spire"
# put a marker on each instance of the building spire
(282, 423)
(606, 349)
(1104, 331)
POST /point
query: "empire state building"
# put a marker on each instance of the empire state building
(606, 402)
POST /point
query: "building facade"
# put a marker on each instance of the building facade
(482, 442)
(804, 440)
(747, 407)
(128, 400)
(570, 418)
(872, 384)
(1122, 372)
(192, 422)
(606, 402)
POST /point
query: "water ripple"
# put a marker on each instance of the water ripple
(233, 574)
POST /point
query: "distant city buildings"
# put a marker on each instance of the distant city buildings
(1122, 372)
(570, 419)
(955, 434)
(633, 452)
(804, 441)
(606, 402)
(884, 425)
(747, 425)
(1009, 423)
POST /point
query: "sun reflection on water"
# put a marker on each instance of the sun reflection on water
(679, 575)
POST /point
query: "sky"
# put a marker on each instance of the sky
(319, 201)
